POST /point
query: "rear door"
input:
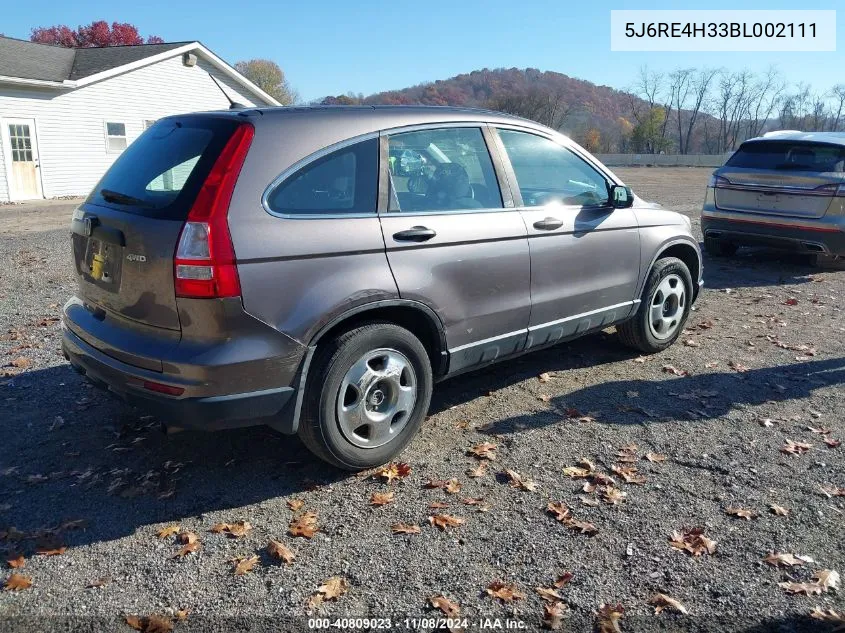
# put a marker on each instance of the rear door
(585, 255)
(453, 242)
(789, 178)
(124, 235)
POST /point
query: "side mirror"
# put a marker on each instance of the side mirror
(621, 197)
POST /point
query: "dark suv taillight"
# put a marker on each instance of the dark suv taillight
(204, 265)
(718, 181)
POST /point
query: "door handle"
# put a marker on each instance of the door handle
(415, 234)
(548, 224)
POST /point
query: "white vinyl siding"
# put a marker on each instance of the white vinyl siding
(71, 126)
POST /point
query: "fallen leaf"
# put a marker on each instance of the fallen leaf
(504, 592)
(170, 530)
(21, 362)
(782, 560)
(517, 481)
(17, 582)
(629, 474)
(478, 471)
(608, 617)
(280, 551)
(453, 486)
(445, 520)
(333, 588)
(17, 562)
(741, 513)
(693, 542)
(795, 448)
(548, 594)
(437, 505)
(393, 471)
(792, 301)
(832, 443)
(381, 498)
(188, 538)
(149, 624)
(553, 615)
(449, 608)
(830, 616)
(244, 564)
(661, 601)
(544, 397)
(295, 504)
(691, 342)
(611, 495)
(671, 369)
(544, 377)
(576, 472)
(189, 547)
(778, 510)
(562, 513)
(827, 579)
(404, 528)
(655, 458)
(738, 367)
(305, 525)
(832, 491)
(100, 582)
(182, 614)
(564, 579)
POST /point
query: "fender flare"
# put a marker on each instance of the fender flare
(661, 250)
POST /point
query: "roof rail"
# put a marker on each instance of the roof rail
(779, 132)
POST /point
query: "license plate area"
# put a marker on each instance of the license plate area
(98, 262)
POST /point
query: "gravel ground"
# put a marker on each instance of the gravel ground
(71, 453)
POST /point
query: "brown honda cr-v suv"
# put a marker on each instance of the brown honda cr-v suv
(318, 269)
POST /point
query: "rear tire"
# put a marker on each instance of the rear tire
(367, 393)
(717, 248)
(664, 308)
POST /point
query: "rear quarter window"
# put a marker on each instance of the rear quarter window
(160, 174)
(789, 156)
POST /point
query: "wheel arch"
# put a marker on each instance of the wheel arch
(684, 250)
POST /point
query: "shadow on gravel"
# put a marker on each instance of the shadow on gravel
(73, 452)
(756, 267)
(690, 398)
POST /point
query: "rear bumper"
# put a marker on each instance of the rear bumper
(203, 413)
(804, 236)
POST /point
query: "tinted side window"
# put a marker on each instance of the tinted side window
(441, 170)
(345, 181)
(549, 173)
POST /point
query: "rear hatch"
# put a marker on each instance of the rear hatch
(779, 177)
(125, 234)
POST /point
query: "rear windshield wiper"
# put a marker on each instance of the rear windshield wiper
(121, 198)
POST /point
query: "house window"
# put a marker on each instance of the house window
(115, 137)
(148, 123)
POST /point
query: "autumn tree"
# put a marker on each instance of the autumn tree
(592, 140)
(269, 77)
(98, 34)
(648, 134)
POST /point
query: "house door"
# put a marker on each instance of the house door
(21, 156)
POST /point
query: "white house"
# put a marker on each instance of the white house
(66, 114)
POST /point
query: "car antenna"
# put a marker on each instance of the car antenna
(233, 105)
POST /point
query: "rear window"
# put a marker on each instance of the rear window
(785, 155)
(161, 172)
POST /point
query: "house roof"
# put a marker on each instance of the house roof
(29, 60)
(30, 63)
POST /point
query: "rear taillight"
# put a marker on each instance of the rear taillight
(204, 265)
(718, 181)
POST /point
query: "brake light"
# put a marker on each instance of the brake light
(836, 190)
(718, 181)
(204, 265)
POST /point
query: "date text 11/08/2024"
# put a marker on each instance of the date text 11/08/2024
(431, 623)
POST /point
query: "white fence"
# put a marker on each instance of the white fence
(663, 160)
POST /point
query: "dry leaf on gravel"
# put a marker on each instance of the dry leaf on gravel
(517, 481)
(333, 588)
(562, 513)
(742, 513)
(611, 495)
(832, 491)
(608, 617)
(305, 525)
(795, 448)
(671, 369)
(549, 594)
(244, 564)
(629, 474)
(738, 367)
(782, 560)
(691, 342)
(450, 609)
(393, 471)
(564, 579)
(832, 443)
(693, 541)
(381, 498)
(16, 562)
(627, 454)
(234, 530)
(553, 615)
(830, 616)
(170, 530)
(544, 377)
(823, 580)
(186, 549)
(17, 582)
(485, 450)
(478, 471)
(661, 601)
(655, 458)
(778, 510)
(445, 520)
(404, 528)
(504, 592)
(576, 472)
(280, 551)
(21, 363)
(149, 624)
(295, 504)
(437, 505)
(100, 582)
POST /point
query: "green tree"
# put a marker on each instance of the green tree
(269, 77)
(647, 136)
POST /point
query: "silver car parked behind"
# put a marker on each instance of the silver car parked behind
(785, 190)
(274, 266)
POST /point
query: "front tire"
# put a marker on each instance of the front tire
(664, 308)
(367, 394)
